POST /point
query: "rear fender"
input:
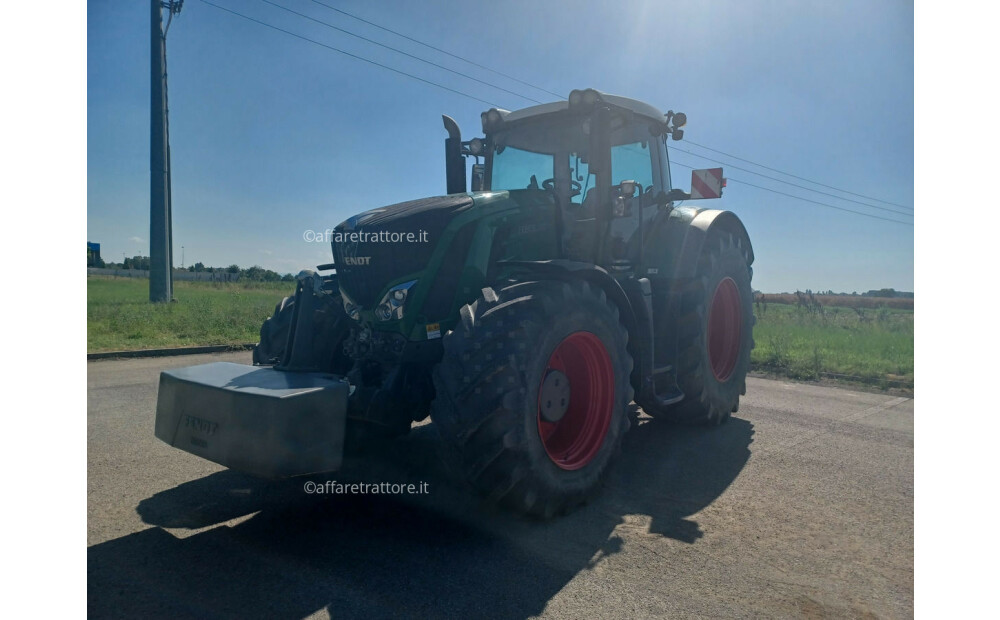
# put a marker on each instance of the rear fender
(698, 230)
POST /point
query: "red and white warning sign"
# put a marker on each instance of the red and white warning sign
(707, 183)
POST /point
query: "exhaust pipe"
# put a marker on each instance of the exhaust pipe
(454, 162)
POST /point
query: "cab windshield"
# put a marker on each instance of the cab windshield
(553, 154)
(543, 155)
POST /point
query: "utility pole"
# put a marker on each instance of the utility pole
(161, 278)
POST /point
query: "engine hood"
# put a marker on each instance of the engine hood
(371, 248)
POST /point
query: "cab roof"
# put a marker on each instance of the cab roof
(638, 107)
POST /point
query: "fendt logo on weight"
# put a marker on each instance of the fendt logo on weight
(199, 425)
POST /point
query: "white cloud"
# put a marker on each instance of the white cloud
(136, 239)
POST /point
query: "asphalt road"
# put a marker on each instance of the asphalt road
(802, 505)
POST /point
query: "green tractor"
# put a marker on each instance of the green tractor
(524, 317)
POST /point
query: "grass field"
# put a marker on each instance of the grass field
(876, 345)
(120, 317)
(793, 341)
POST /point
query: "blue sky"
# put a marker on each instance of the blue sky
(272, 135)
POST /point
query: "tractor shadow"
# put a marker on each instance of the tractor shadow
(242, 547)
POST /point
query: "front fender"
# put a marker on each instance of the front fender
(563, 269)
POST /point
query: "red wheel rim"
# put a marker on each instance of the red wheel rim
(725, 329)
(575, 439)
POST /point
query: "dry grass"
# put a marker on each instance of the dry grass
(843, 301)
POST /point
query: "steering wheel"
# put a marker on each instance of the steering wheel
(550, 185)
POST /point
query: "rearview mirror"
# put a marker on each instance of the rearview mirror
(478, 177)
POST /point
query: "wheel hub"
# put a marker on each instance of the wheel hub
(553, 397)
(572, 430)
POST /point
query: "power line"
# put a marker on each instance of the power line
(798, 177)
(398, 51)
(438, 49)
(467, 95)
(545, 90)
(330, 47)
(808, 189)
(815, 202)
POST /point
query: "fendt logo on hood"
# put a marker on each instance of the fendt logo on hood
(355, 261)
(350, 256)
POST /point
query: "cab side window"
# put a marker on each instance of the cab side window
(632, 162)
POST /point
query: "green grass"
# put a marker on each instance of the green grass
(120, 317)
(791, 341)
(795, 342)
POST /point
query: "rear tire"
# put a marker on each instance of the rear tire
(505, 357)
(714, 335)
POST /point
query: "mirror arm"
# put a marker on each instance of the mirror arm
(665, 198)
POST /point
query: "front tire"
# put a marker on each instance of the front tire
(274, 334)
(522, 438)
(331, 327)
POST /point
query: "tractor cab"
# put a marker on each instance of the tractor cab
(601, 159)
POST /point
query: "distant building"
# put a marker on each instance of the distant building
(94, 255)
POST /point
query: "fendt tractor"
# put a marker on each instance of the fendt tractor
(524, 317)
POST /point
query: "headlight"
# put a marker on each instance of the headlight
(391, 306)
(352, 309)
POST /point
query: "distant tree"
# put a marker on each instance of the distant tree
(198, 267)
(136, 262)
(882, 292)
(233, 269)
(259, 274)
(288, 278)
(254, 274)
